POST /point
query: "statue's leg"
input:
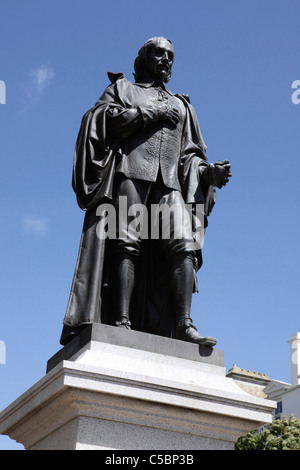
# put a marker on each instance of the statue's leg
(126, 247)
(180, 248)
(182, 283)
(123, 287)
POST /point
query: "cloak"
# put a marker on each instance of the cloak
(90, 300)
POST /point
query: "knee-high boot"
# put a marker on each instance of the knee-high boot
(124, 280)
(182, 283)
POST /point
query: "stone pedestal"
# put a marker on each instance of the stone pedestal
(124, 390)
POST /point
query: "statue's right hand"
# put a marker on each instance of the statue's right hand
(162, 112)
(168, 114)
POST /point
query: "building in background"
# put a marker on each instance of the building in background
(251, 382)
(286, 395)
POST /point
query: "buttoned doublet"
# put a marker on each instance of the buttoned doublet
(154, 145)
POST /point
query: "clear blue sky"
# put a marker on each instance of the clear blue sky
(237, 60)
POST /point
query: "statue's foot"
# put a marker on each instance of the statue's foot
(186, 331)
(123, 323)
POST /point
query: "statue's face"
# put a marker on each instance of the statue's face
(159, 59)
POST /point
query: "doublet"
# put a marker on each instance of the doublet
(155, 146)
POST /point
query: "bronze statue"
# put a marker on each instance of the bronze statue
(141, 143)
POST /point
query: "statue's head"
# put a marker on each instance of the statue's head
(154, 60)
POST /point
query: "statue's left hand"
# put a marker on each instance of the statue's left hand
(221, 173)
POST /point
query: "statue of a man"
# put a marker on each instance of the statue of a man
(143, 143)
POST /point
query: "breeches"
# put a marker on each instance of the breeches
(148, 210)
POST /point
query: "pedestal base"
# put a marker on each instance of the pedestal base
(117, 389)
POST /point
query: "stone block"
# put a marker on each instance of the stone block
(123, 390)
